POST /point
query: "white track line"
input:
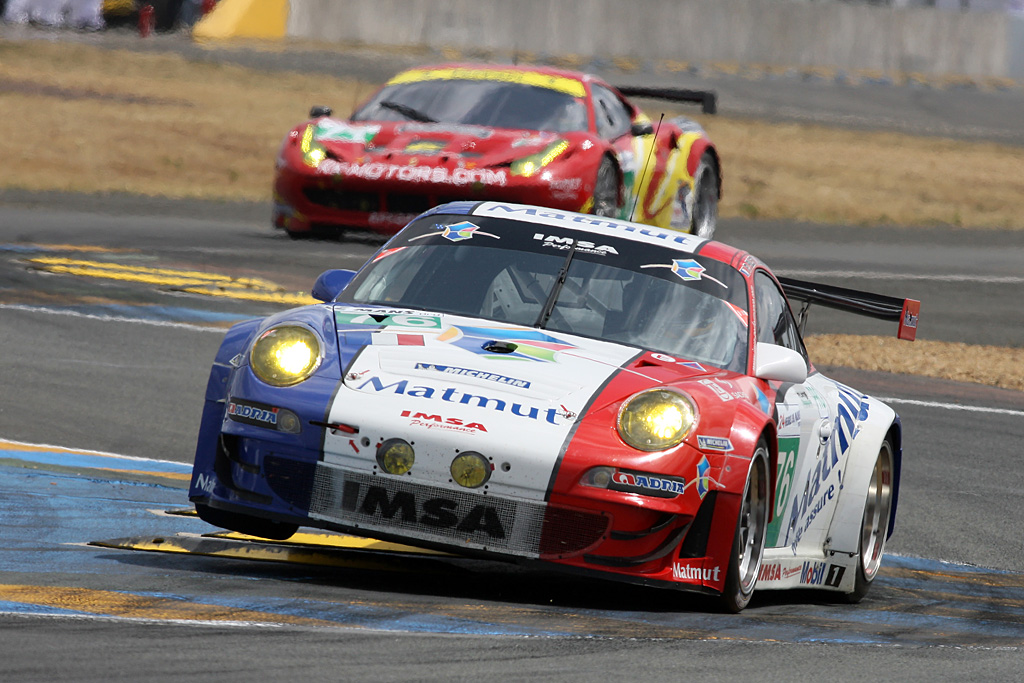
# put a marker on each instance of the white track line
(869, 275)
(113, 318)
(951, 406)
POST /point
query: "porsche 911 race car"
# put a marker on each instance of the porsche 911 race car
(532, 384)
(535, 135)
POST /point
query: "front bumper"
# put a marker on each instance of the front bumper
(307, 202)
(269, 481)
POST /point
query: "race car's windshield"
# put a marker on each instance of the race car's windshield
(614, 289)
(494, 104)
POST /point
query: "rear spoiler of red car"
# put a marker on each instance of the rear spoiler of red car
(905, 311)
(705, 98)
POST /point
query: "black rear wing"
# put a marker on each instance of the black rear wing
(705, 98)
(905, 311)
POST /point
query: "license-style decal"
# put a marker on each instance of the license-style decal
(714, 443)
(427, 322)
(343, 131)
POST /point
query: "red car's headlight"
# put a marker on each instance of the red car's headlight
(527, 166)
(312, 151)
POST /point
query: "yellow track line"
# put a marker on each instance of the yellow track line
(194, 282)
(335, 541)
(111, 603)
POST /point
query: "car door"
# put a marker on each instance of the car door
(613, 120)
(801, 415)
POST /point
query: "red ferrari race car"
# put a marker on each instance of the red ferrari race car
(537, 135)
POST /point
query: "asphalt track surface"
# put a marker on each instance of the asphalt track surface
(111, 309)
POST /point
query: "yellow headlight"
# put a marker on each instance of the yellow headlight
(470, 469)
(396, 456)
(527, 166)
(312, 151)
(656, 420)
(286, 355)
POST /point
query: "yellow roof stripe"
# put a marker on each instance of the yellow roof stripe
(570, 86)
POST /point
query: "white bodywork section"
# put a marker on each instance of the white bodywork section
(444, 398)
(829, 438)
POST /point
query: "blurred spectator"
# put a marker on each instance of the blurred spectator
(167, 14)
(57, 13)
(191, 12)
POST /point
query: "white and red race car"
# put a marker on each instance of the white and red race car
(526, 383)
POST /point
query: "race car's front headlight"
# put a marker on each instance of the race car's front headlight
(527, 166)
(470, 469)
(657, 419)
(286, 355)
(312, 151)
(396, 456)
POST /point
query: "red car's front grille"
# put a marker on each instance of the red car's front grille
(373, 202)
(366, 202)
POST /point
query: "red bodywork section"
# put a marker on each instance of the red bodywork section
(647, 536)
(413, 167)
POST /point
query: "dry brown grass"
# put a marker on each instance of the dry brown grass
(827, 175)
(80, 118)
(992, 365)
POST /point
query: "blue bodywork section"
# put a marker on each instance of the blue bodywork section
(235, 460)
(330, 283)
(897, 453)
(457, 208)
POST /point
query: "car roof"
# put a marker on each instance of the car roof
(603, 226)
(553, 77)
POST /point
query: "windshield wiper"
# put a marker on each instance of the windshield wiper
(549, 305)
(407, 111)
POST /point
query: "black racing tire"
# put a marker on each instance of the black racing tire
(874, 523)
(606, 190)
(749, 538)
(704, 220)
(244, 524)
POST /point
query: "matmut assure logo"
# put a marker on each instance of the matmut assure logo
(454, 395)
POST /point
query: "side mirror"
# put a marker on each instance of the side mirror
(641, 128)
(319, 110)
(330, 283)
(779, 363)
